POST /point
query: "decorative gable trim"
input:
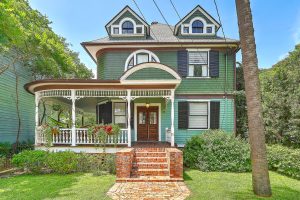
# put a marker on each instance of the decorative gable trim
(125, 9)
(205, 13)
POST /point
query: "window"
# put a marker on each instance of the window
(127, 27)
(198, 115)
(208, 29)
(140, 56)
(116, 31)
(198, 64)
(197, 26)
(138, 29)
(185, 29)
(120, 114)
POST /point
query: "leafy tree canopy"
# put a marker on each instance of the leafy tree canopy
(28, 34)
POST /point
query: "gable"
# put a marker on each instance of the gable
(138, 26)
(198, 13)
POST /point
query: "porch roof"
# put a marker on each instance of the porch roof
(94, 84)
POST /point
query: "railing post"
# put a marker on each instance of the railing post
(128, 98)
(37, 99)
(73, 98)
(172, 118)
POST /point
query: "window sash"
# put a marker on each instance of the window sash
(193, 68)
(119, 116)
(198, 57)
(198, 117)
(142, 58)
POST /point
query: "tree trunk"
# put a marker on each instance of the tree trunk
(260, 174)
(17, 109)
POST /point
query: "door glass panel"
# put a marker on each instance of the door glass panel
(142, 117)
(153, 117)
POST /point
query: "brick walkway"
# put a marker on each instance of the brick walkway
(149, 191)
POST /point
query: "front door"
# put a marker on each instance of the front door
(147, 123)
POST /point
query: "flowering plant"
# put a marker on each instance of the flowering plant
(101, 131)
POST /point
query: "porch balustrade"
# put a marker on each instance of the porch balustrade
(64, 136)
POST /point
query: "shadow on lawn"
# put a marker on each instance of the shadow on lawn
(186, 177)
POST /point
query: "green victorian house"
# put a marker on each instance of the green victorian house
(159, 83)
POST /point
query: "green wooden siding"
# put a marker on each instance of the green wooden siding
(111, 66)
(181, 136)
(150, 74)
(210, 85)
(9, 119)
(127, 14)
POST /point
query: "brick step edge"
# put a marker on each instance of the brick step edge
(150, 165)
(150, 159)
(150, 154)
(145, 150)
(147, 179)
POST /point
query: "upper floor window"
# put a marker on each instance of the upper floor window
(197, 27)
(198, 64)
(140, 56)
(127, 27)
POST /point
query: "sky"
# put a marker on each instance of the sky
(276, 22)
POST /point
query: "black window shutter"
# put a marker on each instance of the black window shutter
(214, 63)
(182, 62)
(105, 113)
(214, 115)
(183, 115)
(132, 115)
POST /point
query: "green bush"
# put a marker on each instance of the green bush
(216, 150)
(33, 161)
(2, 162)
(5, 149)
(62, 162)
(284, 160)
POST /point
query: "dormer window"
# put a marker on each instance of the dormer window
(197, 27)
(127, 27)
(140, 56)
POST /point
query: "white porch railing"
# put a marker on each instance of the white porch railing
(82, 137)
(168, 135)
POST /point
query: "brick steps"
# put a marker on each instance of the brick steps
(149, 179)
(150, 165)
(150, 159)
(151, 172)
(150, 154)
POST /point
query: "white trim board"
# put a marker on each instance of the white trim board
(135, 118)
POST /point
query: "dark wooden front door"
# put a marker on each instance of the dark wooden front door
(147, 123)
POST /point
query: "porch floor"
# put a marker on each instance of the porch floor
(150, 144)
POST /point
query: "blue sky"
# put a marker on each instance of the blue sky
(276, 23)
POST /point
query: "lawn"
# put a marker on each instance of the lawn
(203, 185)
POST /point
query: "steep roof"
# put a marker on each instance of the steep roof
(162, 33)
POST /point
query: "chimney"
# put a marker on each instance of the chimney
(155, 22)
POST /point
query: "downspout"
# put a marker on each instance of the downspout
(225, 87)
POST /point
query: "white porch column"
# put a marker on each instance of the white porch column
(172, 117)
(73, 98)
(37, 99)
(128, 98)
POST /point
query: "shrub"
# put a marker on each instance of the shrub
(216, 150)
(33, 161)
(284, 160)
(5, 149)
(2, 162)
(62, 162)
(102, 164)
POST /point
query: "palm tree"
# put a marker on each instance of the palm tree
(260, 174)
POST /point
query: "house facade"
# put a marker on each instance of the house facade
(159, 83)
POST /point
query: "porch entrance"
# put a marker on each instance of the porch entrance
(147, 123)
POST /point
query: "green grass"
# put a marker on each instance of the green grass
(203, 185)
(220, 185)
(53, 186)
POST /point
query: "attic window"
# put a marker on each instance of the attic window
(197, 27)
(140, 56)
(127, 27)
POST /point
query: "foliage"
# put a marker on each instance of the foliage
(48, 131)
(66, 162)
(284, 160)
(6, 148)
(281, 96)
(28, 34)
(34, 161)
(240, 82)
(2, 162)
(101, 132)
(62, 162)
(216, 150)
(241, 114)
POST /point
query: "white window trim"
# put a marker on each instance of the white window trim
(208, 114)
(205, 25)
(151, 54)
(113, 111)
(135, 118)
(204, 77)
(124, 34)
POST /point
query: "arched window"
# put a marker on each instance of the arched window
(140, 56)
(127, 27)
(197, 26)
